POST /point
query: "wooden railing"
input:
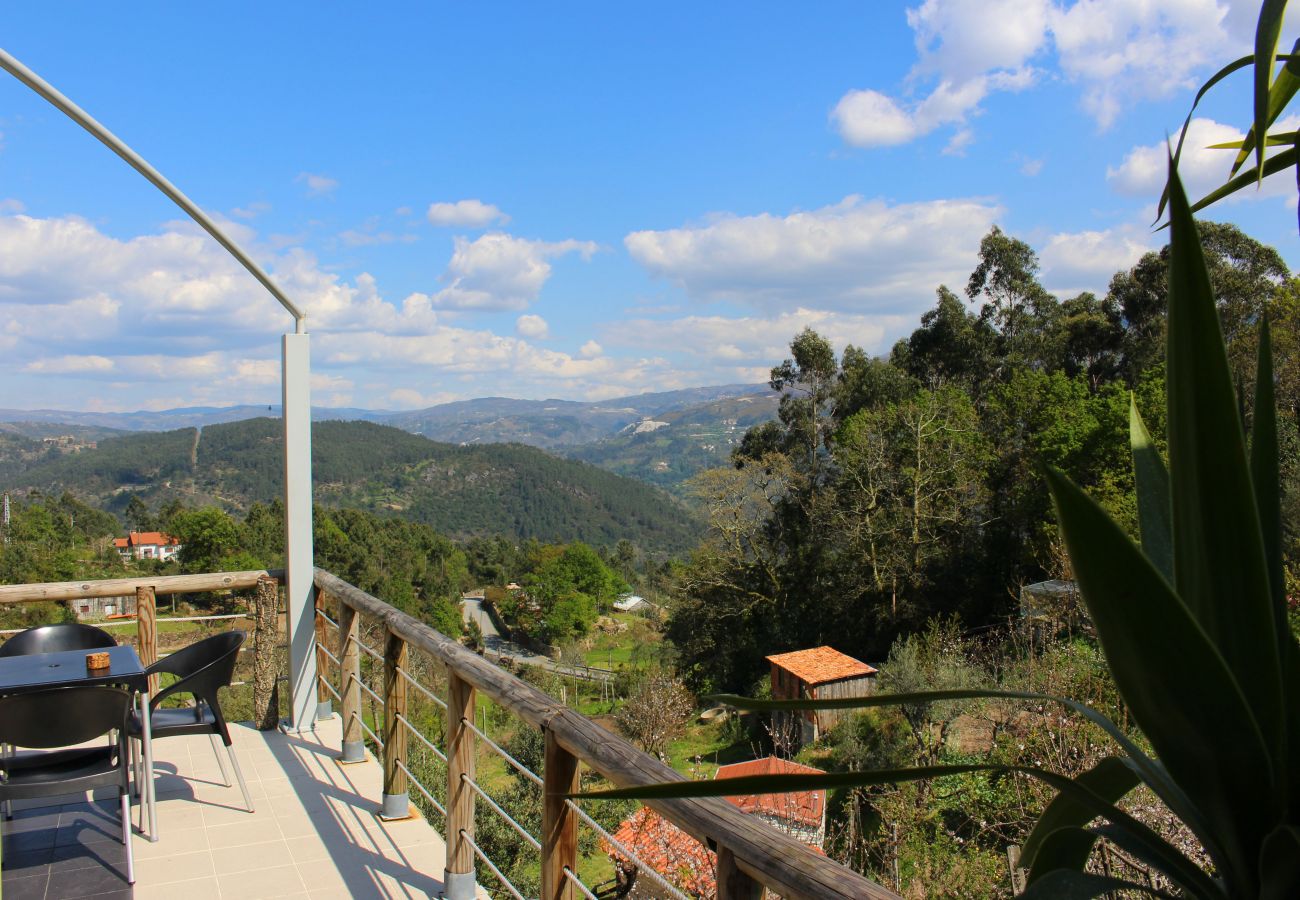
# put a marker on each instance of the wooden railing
(146, 590)
(751, 855)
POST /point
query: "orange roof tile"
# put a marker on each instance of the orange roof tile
(121, 543)
(801, 807)
(819, 665)
(155, 538)
(668, 850)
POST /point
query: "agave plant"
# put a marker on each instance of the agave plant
(1193, 625)
(1271, 95)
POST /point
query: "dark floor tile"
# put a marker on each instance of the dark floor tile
(35, 839)
(87, 856)
(26, 863)
(30, 820)
(31, 888)
(84, 883)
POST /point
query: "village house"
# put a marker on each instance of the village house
(818, 673)
(687, 863)
(147, 545)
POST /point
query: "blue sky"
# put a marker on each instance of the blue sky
(575, 200)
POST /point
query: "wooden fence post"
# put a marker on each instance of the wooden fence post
(397, 802)
(458, 881)
(324, 709)
(733, 884)
(354, 742)
(559, 821)
(266, 634)
(146, 622)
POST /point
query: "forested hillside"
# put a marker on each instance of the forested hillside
(674, 446)
(462, 491)
(890, 491)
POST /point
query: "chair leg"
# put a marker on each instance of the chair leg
(221, 763)
(248, 801)
(126, 836)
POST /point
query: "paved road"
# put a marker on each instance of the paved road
(496, 645)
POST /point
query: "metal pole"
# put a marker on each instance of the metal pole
(299, 574)
(297, 399)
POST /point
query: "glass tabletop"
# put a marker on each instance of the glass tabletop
(68, 667)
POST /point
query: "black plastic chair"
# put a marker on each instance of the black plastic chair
(56, 638)
(61, 717)
(201, 670)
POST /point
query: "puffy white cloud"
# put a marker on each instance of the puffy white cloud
(317, 185)
(1117, 51)
(729, 343)
(500, 271)
(534, 327)
(465, 214)
(1143, 170)
(1086, 260)
(858, 254)
(590, 350)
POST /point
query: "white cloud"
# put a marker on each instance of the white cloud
(757, 341)
(534, 327)
(317, 185)
(1086, 260)
(1144, 169)
(1117, 51)
(466, 214)
(70, 365)
(590, 350)
(252, 210)
(500, 271)
(857, 254)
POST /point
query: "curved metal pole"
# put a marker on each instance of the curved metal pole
(295, 381)
(133, 159)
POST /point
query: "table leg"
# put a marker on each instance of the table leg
(146, 747)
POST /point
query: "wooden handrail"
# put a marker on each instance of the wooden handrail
(759, 851)
(126, 587)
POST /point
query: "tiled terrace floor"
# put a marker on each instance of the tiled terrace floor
(314, 833)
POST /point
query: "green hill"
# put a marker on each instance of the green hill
(462, 491)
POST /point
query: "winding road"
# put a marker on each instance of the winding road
(496, 645)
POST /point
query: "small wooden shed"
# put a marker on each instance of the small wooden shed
(818, 673)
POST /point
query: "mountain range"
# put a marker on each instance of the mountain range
(463, 491)
(660, 438)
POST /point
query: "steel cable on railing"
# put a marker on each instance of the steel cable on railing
(418, 735)
(487, 862)
(324, 615)
(510, 820)
(619, 846)
(374, 654)
(323, 649)
(374, 737)
(577, 882)
(523, 769)
(410, 679)
(422, 789)
(325, 683)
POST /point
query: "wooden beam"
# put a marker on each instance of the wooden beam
(350, 683)
(266, 636)
(146, 630)
(322, 661)
(460, 766)
(559, 821)
(733, 882)
(124, 587)
(396, 805)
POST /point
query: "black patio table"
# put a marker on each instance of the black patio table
(67, 668)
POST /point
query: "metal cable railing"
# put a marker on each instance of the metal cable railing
(478, 851)
(759, 857)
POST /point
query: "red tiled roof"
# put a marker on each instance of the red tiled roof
(819, 665)
(121, 543)
(147, 538)
(668, 850)
(800, 807)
